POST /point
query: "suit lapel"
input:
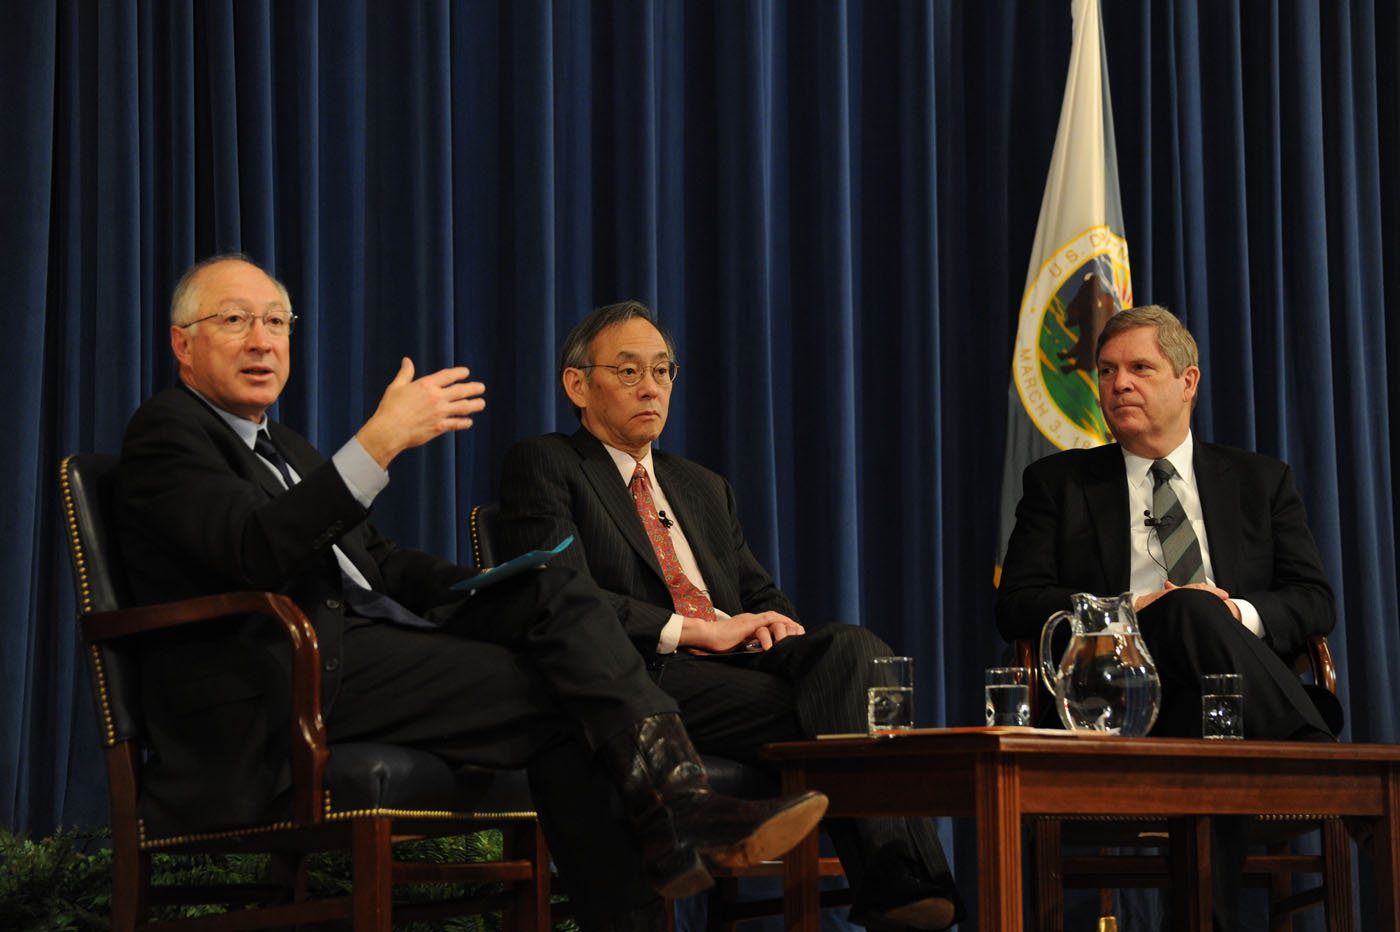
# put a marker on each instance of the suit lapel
(304, 461)
(1218, 487)
(601, 472)
(247, 463)
(1106, 500)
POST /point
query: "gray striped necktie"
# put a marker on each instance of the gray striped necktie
(1180, 548)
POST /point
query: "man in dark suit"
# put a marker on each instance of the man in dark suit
(661, 537)
(1212, 542)
(532, 672)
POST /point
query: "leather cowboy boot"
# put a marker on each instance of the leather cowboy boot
(683, 826)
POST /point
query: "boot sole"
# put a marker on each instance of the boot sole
(772, 838)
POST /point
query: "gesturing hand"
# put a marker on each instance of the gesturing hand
(414, 411)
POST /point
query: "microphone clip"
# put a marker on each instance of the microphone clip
(1149, 521)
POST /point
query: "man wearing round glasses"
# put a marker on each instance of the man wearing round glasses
(661, 537)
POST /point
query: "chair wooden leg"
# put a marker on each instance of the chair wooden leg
(1336, 875)
(529, 901)
(1190, 869)
(131, 885)
(1280, 888)
(288, 870)
(725, 891)
(371, 873)
(1106, 896)
(1049, 875)
(131, 867)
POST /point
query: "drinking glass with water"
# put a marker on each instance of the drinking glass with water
(1008, 696)
(1222, 706)
(890, 695)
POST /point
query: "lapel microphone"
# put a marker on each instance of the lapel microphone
(1149, 521)
(665, 520)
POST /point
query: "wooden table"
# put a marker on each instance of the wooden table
(998, 775)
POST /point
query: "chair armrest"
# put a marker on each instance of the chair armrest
(1317, 658)
(308, 751)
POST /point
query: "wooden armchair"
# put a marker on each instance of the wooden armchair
(360, 798)
(1057, 871)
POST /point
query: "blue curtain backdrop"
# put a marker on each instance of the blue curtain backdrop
(831, 204)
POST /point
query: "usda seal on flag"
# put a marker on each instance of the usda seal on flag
(1084, 282)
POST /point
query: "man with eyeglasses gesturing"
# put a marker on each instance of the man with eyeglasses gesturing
(661, 537)
(534, 672)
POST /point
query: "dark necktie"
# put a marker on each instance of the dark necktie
(1180, 548)
(688, 599)
(264, 447)
(363, 602)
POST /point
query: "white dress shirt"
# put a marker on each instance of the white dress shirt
(1149, 572)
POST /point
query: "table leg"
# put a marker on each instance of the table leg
(1387, 852)
(801, 896)
(998, 806)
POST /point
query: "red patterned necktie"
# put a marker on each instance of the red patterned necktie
(687, 598)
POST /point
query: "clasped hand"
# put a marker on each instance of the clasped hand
(725, 634)
(414, 411)
(1224, 596)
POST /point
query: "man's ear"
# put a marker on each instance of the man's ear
(576, 386)
(180, 344)
(1192, 375)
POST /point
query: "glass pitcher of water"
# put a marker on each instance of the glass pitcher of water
(1106, 680)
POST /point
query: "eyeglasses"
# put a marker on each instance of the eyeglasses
(663, 372)
(236, 323)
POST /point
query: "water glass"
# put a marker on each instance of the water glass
(890, 695)
(1008, 695)
(1222, 706)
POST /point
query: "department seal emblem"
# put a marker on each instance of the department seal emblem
(1080, 286)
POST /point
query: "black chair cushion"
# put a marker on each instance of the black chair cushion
(364, 775)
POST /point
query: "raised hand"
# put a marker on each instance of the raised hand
(414, 411)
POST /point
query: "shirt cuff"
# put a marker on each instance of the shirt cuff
(1249, 617)
(360, 473)
(670, 635)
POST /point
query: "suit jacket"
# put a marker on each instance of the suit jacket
(1072, 535)
(557, 485)
(198, 513)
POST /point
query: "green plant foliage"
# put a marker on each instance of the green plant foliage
(64, 883)
(58, 883)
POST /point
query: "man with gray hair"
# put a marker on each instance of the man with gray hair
(661, 537)
(1212, 542)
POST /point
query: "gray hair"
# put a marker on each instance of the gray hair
(184, 302)
(1173, 339)
(574, 355)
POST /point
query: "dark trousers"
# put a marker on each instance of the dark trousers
(1192, 633)
(805, 686)
(533, 673)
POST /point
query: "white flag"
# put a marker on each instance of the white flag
(1078, 276)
